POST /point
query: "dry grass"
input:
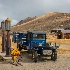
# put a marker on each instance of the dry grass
(63, 51)
(13, 45)
(60, 41)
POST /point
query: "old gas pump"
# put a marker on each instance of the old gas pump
(8, 41)
(3, 36)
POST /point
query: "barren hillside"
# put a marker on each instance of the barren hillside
(25, 20)
(46, 22)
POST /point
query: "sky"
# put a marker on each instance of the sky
(18, 10)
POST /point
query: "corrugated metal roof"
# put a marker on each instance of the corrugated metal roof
(58, 29)
(65, 31)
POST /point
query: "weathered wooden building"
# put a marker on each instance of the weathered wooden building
(61, 33)
(65, 34)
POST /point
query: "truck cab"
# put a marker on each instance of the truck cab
(36, 39)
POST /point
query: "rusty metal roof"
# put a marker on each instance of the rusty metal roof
(65, 31)
(58, 29)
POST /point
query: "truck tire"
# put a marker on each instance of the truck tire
(54, 56)
(19, 47)
(32, 54)
(25, 48)
(35, 56)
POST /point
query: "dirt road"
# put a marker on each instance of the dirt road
(62, 63)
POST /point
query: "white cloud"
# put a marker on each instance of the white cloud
(21, 9)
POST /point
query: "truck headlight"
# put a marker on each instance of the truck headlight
(40, 44)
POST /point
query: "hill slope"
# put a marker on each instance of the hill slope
(45, 22)
(25, 20)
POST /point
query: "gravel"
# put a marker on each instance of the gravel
(62, 63)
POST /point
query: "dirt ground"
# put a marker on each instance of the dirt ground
(62, 62)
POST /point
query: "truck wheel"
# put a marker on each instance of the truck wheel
(32, 54)
(54, 56)
(19, 47)
(25, 48)
(35, 56)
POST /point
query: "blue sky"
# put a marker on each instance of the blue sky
(20, 9)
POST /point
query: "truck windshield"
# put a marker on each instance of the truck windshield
(38, 36)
